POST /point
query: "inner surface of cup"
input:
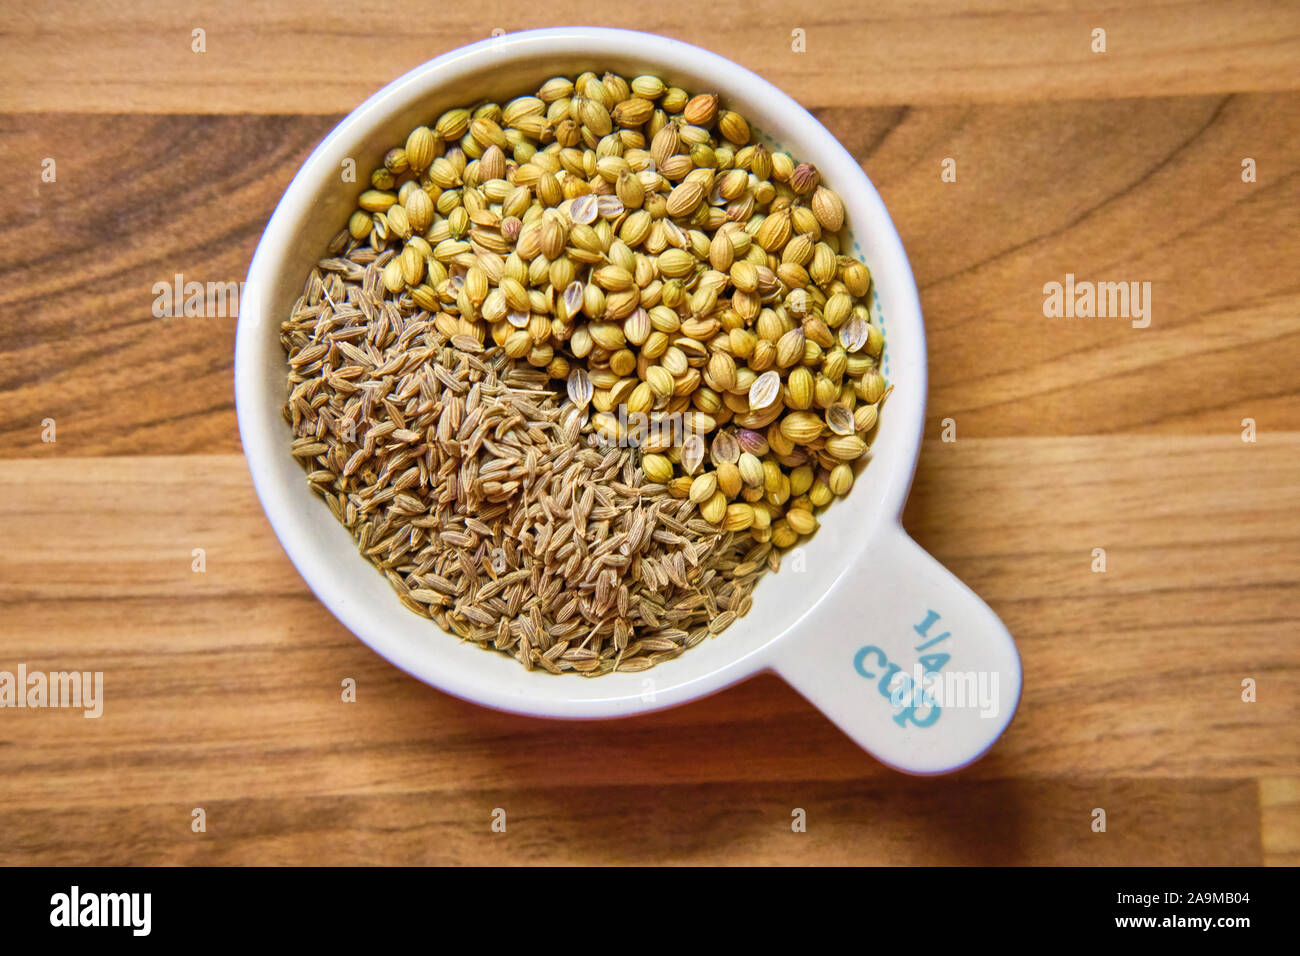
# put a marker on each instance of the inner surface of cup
(317, 204)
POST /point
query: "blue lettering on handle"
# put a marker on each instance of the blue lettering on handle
(905, 696)
(908, 713)
(861, 656)
(924, 627)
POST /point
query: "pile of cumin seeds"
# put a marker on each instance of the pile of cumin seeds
(473, 486)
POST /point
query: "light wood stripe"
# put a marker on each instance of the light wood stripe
(114, 58)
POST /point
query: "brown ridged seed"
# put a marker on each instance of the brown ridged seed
(801, 427)
(701, 110)
(744, 276)
(419, 210)
(816, 331)
(359, 224)
(751, 469)
(722, 252)
(790, 348)
(398, 223)
(676, 263)
(774, 231)
(801, 521)
(613, 278)
(846, 447)
(633, 111)
(492, 164)
(660, 380)
(593, 115)
(665, 144)
(715, 509)
(685, 198)
(733, 127)
(374, 200)
(828, 208)
(629, 190)
(870, 387)
(721, 371)
(729, 481)
(452, 124)
(703, 487)
(804, 178)
(856, 277)
(657, 468)
(420, 147)
(739, 517)
(800, 385)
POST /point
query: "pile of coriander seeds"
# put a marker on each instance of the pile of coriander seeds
(636, 298)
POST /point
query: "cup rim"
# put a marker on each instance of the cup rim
(866, 209)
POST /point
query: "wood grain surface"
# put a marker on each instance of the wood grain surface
(222, 688)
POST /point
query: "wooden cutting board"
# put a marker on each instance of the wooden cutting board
(222, 688)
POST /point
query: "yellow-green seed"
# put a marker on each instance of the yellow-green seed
(800, 386)
(657, 468)
(715, 509)
(729, 480)
(703, 487)
(801, 521)
(801, 480)
(783, 536)
(739, 517)
(820, 494)
(846, 447)
(374, 200)
(802, 427)
(841, 479)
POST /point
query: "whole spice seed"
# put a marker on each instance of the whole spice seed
(517, 283)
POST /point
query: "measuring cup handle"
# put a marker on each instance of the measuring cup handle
(906, 660)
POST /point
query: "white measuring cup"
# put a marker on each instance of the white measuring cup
(866, 625)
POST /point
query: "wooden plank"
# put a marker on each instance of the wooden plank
(890, 820)
(1132, 673)
(328, 57)
(85, 348)
(1130, 190)
(222, 688)
(1279, 799)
